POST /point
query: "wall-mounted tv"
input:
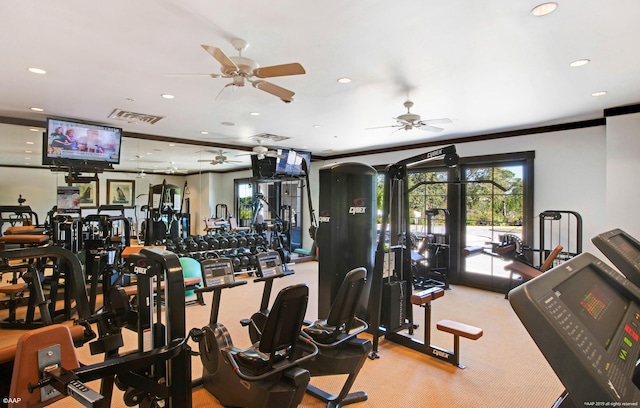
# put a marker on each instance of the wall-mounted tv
(289, 162)
(67, 142)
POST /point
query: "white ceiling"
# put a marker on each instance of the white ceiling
(489, 66)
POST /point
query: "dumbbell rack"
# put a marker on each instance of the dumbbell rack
(241, 247)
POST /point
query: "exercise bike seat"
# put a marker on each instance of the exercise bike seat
(256, 361)
(280, 333)
(338, 324)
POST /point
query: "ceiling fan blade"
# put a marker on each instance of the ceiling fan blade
(279, 70)
(221, 57)
(429, 128)
(212, 75)
(383, 127)
(282, 93)
(441, 121)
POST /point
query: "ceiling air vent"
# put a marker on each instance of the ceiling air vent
(133, 117)
(270, 137)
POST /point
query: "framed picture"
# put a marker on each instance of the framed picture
(121, 192)
(88, 194)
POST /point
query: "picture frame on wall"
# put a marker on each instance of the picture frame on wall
(121, 192)
(89, 194)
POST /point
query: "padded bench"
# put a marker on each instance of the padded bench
(25, 240)
(426, 296)
(459, 330)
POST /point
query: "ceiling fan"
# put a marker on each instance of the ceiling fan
(219, 158)
(171, 169)
(263, 151)
(242, 70)
(409, 121)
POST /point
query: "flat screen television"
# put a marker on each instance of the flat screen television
(69, 142)
(289, 162)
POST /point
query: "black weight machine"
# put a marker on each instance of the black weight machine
(267, 374)
(277, 233)
(158, 370)
(431, 259)
(166, 218)
(105, 237)
(391, 299)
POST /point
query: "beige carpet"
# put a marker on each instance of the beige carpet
(504, 367)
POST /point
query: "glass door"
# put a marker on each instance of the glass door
(493, 207)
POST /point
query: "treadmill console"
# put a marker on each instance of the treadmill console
(623, 250)
(269, 264)
(585, 318)
(217, 271)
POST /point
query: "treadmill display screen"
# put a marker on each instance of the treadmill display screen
(628, 247)
(595, 303)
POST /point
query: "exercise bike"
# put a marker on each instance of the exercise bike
(340, 350)
(267, 374)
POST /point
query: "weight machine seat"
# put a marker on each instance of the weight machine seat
(342, 312)
(25, 239)
(26, 370)
(280, 333)
(130, 250)
(24, 229)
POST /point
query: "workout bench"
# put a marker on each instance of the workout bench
(423, 299)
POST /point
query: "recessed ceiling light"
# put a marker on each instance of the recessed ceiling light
(38, 71)
(227, 123)
(30, 143)
(28, 151)
(544, 9)
(167, 96)
(317, 126)
(204, 132)
(37, 109)
(254, 113)
(171, 145)
(344, 80)
(579, 63)
(27, 158)
(599, 93)
(34, 130)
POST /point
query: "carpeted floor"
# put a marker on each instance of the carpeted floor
(504, 367)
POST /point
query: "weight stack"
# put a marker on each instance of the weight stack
(392, 314)
(346, 235)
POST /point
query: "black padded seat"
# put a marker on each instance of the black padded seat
(280, 333)
(342, 312)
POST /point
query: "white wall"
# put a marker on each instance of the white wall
(623, 166)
